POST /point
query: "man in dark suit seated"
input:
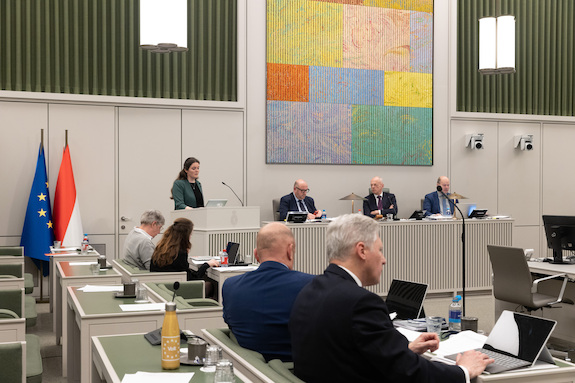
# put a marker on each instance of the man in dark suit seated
(342, 332)
(257, 304)
(379, 202)
(435, 202)
(298, 201)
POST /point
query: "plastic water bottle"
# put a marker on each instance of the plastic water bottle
(223, 258)
(359, 211)
(85, 244)
(448, 211)
(455, 314)
(323, 214)
(170, 339)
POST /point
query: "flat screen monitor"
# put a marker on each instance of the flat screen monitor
(406, 299)
(296, 216)
(560, 233)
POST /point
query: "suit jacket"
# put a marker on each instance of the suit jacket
(342, 333)
(257, 307)
(388, 199)
(184, 195)
(432, 205)
(289, 203)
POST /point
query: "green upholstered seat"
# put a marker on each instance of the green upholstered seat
(30, 311)
(188, 296)
(15, 269)
(33, 359)
(130, 268)
(28, 283)
(279, 374)
(12, 250)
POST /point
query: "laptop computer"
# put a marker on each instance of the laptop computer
(296, 216)
(478, 213)
(216, 202)
(233, 256)
(517, 341)
(406, 299)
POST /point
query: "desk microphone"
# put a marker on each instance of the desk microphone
(176, 287)
(233, 192)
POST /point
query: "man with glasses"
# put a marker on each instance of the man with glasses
(298, 201)
(138, 247)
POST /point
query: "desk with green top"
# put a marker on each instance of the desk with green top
(99, 313)
(76, 274)
(115, 356)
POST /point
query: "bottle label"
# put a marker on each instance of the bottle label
(224, 260)
(170, 348)
(455, 316)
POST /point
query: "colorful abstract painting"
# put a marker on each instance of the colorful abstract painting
(350, 82)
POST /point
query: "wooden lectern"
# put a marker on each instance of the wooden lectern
(214, 227)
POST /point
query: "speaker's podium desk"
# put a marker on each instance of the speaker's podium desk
(214, 227)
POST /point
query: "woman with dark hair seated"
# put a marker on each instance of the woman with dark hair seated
(171, 253)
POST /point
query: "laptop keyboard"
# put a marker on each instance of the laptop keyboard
(504, 360)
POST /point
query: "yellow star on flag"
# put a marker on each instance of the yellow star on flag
(47, 185)
(42, 197)
(42, 213)
(49, 224)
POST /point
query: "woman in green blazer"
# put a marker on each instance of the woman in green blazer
(187, 190)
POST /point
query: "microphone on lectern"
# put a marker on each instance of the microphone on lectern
(233, 192)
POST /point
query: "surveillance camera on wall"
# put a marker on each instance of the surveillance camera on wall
(474, 141)
(524, 142)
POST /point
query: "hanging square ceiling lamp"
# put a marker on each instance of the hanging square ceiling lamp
(164, 25)
(497, 45)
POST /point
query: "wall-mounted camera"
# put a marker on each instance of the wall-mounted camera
(524, 142)
(474, 141)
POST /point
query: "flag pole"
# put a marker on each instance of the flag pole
(41, 269)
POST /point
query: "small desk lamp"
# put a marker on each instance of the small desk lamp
(352, 197)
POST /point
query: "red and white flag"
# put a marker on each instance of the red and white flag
(66, 213)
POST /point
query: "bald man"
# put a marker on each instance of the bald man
(435, 202)
(298, 201)
(257, 304)
(379, 202)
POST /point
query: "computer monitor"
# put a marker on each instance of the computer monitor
(560, 233)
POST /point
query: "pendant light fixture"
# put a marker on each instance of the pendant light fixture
(164, 25)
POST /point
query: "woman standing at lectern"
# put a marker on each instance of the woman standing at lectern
(187, 190)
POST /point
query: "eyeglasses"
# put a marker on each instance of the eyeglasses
(159, 226)
(302, 190)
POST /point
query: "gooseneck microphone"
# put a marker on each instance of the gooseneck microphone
(440, 190)
(233, 192)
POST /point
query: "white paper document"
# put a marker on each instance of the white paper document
(235, 268)
(100, 289)
(144, 307)
(154, 377)
(86, 263)
(465, 340)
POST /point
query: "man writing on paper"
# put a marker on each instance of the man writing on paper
(342, 332)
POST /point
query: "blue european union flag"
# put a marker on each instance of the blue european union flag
(38, 232)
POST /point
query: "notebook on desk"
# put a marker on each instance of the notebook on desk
(517, 341)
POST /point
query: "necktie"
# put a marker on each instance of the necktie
(379, 203)
(301, 205)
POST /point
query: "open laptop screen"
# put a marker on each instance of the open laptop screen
(406, 298)
(519, 335)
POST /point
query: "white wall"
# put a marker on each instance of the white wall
(125, 157)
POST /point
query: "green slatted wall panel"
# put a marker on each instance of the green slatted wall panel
(92, 47)
(545, 52)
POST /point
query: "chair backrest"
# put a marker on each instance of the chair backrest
(12, 250)
(14, 269)
(13, 362)
(512, 279)
(276, 208)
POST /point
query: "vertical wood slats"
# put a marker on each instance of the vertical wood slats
(545, 51)
(92, 47)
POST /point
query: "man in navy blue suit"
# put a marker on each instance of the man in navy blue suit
(379, 202)
(341, 332)
(435, 202)
(298, 201)
(257, 304)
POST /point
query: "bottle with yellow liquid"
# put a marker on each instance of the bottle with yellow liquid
(170, 339)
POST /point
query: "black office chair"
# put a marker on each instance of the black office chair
(512, 281)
